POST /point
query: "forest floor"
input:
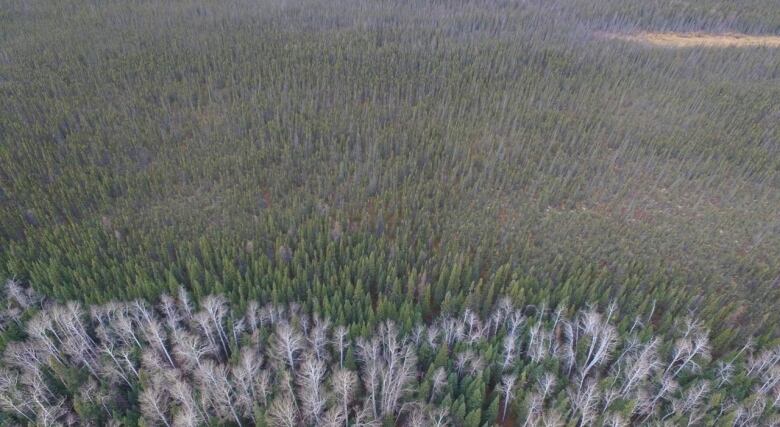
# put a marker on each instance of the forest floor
(683, 40)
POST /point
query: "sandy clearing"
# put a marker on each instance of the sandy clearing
(682, 40)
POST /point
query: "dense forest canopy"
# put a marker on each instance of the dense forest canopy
(400, 161)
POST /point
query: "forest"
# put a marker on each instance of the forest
(397, 212)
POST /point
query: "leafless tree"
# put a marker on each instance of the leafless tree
(567, 349)
(507, 390)
(187, 378)
(185, 305)
(237, 329)
(417, 335)
(603, 338)
(693, 343)
(252, 316)
(365, 417)
(416, 417)
(473, 326)
(535, 348)
(508, 352)
(215, 308)
(23, 296)
(282, 412)
(12, 399)
(399, 368)
(724, 373)
(339, 338)
(438, 417)
(534, 408)
(694, 398)
(125, 329)
(615, 420)
(153, 332)
(245, 376)
(333, 417)
(216, 390)
(311, 376)
(551, 418)
(668, 385)
(191, 351)
(584, 400)
(189, 414)
(74, 339)
(344, 384)
(462, 359)
(558, 319)
(286, 344)
(155, 402)
(546, 384)
(41, 329)
(369, 354)
(270, 314)
(770, 380)
(476, 365)
(318, 338)
(116, 368)
(640, 367)
(152, 363)
(170, 312)
(26, 357)
(438, 381)
(515, 320)
(749, 412)
(432, 336)
(611, 394)
(451, 329)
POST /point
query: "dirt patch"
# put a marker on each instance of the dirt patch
(682, 40)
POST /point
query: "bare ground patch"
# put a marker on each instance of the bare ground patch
(682, 40)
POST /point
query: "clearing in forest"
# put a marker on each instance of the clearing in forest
(681, 40)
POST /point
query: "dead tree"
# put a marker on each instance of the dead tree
(584, 400)
(343, 382)
(12, 399)
(318, 338)
(282, 412)
(190, 414)
(603, 338)
(311, 393)
(507, 390)
(153, 332)
(217, 390)
(438, 381)
(155, 402)
(286, 344)
(339, 338)
(215, 308)
(245, 376)
(640, 367)
(398, 370)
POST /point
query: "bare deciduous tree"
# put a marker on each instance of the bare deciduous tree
(154, 404)
(216, 390)
(245, 375)
(310, 382)
(286, 344)
(282, 412)
(339, 338)
(507, 389)
(344, 383)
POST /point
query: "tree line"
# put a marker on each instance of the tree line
(175, 363)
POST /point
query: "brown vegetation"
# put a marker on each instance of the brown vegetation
(683, 40)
